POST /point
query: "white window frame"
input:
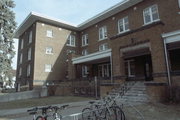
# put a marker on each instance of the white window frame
(71, 41)
(48, 68)
(22, 43)
(84, 52)
(20, 72)
(129, 68)
(28, 70)
(30, 37)
(21, 58)
(105, 72)
(49, 50)
(124, 25)
(85, 71)
(29, 54)
(71, 51)
(149, 9)
(103, 33)
(49, 33)
(85, 40)
(103, 47)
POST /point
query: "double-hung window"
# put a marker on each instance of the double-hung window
(85, 40)
(30, 37)
(103, 47)
(85, 52)
(49, 50)
(151, 14)
(123, 25)
(20, 72)
(102, 33)
(48, 68)
(49, 33)
(71, 40)
(21, 58)
(22, 43)
(85, 71)
(28, 70)
(29, 54)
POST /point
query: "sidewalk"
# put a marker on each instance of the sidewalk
(74, 107)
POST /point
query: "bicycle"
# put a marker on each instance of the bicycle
(56, 115)
(106, 109)
(97, 111)
(33, 112)
(44, 115)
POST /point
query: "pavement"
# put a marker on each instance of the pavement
(74, 110)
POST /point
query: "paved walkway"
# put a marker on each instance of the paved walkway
(18, 114)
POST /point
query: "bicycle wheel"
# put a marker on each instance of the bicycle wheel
(119, 114)
(87, 114)
(40, 118)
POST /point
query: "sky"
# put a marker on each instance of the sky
(71, 11)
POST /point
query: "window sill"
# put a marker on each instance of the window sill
(151, 22)
(49, 36)
(123, 32)
(84, 45)
(70, 46)
(103, 39)
(49, 53)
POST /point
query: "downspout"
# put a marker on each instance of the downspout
(168, 69)
(111, 68)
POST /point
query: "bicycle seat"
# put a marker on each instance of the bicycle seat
(91, 102)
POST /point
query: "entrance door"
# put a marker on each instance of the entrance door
(104, 70)
(147, 71)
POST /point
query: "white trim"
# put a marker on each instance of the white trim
(123, 25)
(171, 36)
(93, 56)
(151, 17)
(136, 47)
(103, 30)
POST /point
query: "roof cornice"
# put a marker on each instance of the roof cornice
(33, 17)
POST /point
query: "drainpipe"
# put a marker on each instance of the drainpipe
(168, 69)
(111, 68)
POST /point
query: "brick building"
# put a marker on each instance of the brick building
(135, 40)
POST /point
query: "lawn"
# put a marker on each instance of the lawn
(41, 102)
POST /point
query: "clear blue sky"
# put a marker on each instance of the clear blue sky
(72, 11)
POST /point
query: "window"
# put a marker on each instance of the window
(71, 40)
(130, 68)
(151, 14)
(85, 52)
(20, 72)
(85, 40)
(30, 37)
(104, 70)
(49, 50)
(85, 71)
(71, 51)
(48, 68)
(21, 58)
(102, 33)
(22, 43)
(179, 3)
(29, 54)
(123, 25)
(28, 70)
(103, 47)
(49, 33)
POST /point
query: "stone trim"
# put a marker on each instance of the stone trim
(137, 30)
